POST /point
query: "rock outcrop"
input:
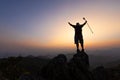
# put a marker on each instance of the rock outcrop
(79, 67)
(75, 69)
(56, 69)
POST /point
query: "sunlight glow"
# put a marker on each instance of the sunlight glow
(52, 29)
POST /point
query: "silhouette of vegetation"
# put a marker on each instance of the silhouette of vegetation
(13, 67)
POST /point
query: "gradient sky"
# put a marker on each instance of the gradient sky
(41, 24)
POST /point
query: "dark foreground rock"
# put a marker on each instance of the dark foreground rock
(58, 68)
(79, 67)
(100, 73)
(76, 69)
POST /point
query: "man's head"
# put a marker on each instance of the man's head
(77, 23)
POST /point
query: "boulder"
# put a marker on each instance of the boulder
(76, 69)
(79, 67)
(56, 69)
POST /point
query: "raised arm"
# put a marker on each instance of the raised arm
(71, 24)
(84, 23)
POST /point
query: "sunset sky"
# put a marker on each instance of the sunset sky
(43, 24)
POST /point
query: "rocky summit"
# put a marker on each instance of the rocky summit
(75, 69)
(57, 68)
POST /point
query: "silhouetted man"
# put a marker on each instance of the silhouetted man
(78, 38)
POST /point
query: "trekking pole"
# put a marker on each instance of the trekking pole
(88, 25)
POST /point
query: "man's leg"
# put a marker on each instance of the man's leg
(77, 45)
(76, 42)
(82, 44)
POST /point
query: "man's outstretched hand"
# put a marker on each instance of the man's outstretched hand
(84, 19)
(69, 23)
